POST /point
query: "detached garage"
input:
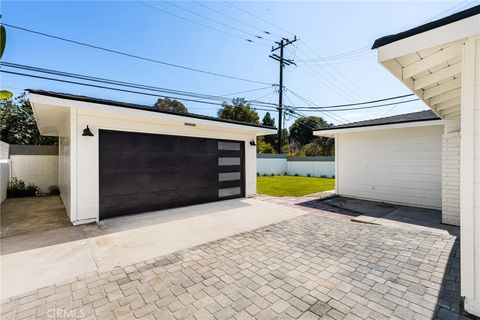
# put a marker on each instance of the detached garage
(117, 159)
(395, 159)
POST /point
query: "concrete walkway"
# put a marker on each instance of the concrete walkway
(128, 240)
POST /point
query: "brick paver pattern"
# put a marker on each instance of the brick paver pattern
(310, 267)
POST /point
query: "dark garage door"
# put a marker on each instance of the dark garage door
(142, 172)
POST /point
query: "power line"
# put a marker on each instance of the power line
(351, 83)
(369, 107)
(135, 56)
(361, 103)
(192, 21)
(118, 83)
(215, 21)
(258, 18)
(234, 19)
(124, 90)
(329, 114)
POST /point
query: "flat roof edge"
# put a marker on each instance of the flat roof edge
(372, 127)
(139, 107)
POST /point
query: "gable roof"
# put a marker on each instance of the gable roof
(426, 27)
(426, 115)
(139, 107)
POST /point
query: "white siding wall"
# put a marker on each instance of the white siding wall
(392, 165)
(64, 165)
(87, 187)
(40, 170)
(451, 172)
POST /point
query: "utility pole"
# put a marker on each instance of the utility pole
(283, 62)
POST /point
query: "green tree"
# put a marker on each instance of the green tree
(264, 147)
(301, 131)
(17, 123)
(238, 110)
(320, 146)
(268, 120)
(170, 105)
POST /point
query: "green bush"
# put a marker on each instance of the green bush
(17, 188)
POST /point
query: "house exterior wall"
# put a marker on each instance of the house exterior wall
(64, 160)
(451, 172)
(470, 176)
(392, 165)
(87, 166)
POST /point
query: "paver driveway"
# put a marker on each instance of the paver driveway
(312, 266)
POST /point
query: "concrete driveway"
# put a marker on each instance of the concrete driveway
(309, 264)
(43, 258)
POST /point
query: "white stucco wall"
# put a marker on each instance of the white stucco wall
(86, 180)
(392, 165)
(40, 170)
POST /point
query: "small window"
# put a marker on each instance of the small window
(229, 176)
(228, 161)
(222, 145)
(227, 192)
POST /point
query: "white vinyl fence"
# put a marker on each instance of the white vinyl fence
(268, 164)
(4, 169)
(34, 164)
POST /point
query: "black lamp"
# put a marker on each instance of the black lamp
(87, 132)
(252, 143)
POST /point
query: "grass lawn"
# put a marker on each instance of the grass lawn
(282, 186)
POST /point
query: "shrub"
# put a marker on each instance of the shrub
(258, 174)
(17, 188)
(296, 174)
(273, 175)
(323, 176)
(308, 175)
(285, 173)
(333, 176)
(264, 174)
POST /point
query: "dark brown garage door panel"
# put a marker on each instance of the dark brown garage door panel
(142, 172)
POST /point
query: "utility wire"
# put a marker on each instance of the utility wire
(119, 83)
(191, 21)
(216, 21)
(272, 106)
(121, 90)
(264, 35)
(135, 56)
(257, 17)
(360, 103)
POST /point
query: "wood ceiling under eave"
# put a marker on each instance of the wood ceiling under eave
(435, 76)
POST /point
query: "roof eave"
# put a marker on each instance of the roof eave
(38, 100)
(401, 125)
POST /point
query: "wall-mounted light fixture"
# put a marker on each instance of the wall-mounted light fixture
(252, 143)
(87, 132)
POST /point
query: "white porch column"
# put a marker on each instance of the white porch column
(470, 176)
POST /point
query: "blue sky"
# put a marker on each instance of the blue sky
(329, 28)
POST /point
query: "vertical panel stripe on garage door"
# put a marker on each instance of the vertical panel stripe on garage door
(142, 172)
